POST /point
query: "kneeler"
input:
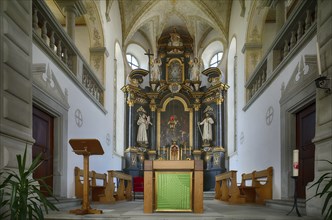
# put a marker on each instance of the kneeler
(86, 147)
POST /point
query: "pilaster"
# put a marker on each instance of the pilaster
(323, 136)
(15, 80)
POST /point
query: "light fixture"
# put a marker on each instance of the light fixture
(323, 82)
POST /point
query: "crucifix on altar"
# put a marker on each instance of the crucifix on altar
(149, 54)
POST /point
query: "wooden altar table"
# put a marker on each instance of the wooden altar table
(173, 186)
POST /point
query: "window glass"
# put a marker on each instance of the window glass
(132, 61)
(215, 60)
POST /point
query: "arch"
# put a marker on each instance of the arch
(253, 42)
(93, 21)
(169, 99)
(138, 51)
(118, 101)
(231, 97)
(98, 51)
(210, 50)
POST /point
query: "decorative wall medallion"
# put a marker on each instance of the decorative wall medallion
(269, 115)
(108, 139)
(78, 118)
(242, 137)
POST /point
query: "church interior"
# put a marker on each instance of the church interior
(175, 107)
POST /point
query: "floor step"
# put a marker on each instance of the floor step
(208, 195)
(287, 205)
(138, 195)
(65, 203)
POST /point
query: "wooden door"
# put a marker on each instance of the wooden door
(305, 132)
(43, 135)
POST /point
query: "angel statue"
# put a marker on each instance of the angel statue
(155, 71)
(195, 69)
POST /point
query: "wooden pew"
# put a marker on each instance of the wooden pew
(98, 190)
(257, 192)
(124, 190)
(248, 191)
(79, 182)
(263, 191)
(226, 188)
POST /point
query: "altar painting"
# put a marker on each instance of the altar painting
(174, 71)
(175, 123)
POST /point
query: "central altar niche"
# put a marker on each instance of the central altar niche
(174, 124)
(180, 115)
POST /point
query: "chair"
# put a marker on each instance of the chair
(138, 183)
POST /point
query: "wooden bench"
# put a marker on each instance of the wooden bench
(94, 187)
(79, 182)
(226, 188)
(260, 188)
(124, 190)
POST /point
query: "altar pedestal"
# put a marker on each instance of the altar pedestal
(173, 186)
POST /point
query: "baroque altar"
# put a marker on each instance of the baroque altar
(179, 115)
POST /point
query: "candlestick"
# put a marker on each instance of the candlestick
(318, 60)
(295, 162)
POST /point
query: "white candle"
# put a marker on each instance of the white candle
(318, 60)
(295, 162)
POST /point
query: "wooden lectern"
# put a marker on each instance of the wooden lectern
(86, 147)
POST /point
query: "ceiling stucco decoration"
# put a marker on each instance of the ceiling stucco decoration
(94, 24)
(257, 17)
(163, 14)
(108, 9)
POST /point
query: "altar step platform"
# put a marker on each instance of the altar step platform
(208, 195)
(213, 210)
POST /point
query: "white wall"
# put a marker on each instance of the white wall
(96, 124)
(259, 144)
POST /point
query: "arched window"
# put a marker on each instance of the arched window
(215, 60)
(132, 61)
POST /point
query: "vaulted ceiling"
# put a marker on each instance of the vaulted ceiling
(152, 18)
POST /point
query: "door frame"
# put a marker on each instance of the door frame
(54, 102)
(299, 93)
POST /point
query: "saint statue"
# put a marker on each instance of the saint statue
(207, 128)
(155, 71)
(195, 69)
(143, 125)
